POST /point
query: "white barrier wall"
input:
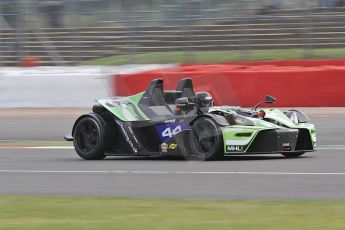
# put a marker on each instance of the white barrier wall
(59, 87)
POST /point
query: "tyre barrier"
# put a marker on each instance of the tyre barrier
(305, 83)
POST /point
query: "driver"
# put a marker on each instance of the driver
(204, 99)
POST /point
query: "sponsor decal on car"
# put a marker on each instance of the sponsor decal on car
(286, 147)
(113, 103)
(133, 135)
(172, 146)
(234, 148)
(164, 147)
(168, 130)
(129, 141)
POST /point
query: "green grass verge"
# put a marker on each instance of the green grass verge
(216, 56)
(34, 143)
(23, 212)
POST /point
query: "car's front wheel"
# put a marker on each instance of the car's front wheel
(89, 137)
(293, 155)
(205, 139)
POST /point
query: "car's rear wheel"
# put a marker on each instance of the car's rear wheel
(205, 140)
(89, 137)
(293, 155)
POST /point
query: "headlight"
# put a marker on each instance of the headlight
(294, 114)
(241, 120)
(294, 117)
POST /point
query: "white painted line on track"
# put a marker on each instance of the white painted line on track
(36, 147)
(174, 172)
(53, 147)
(332, 148)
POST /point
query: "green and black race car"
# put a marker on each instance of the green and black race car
(162, 123)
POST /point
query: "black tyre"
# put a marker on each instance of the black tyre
(293, 155)
(89, 137)
(206, 141)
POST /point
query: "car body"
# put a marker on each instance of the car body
(162, 123)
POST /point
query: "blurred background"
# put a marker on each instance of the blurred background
(101, 32)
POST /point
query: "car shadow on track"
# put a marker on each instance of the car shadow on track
(249, 158)
(181, 158)
(177, 158)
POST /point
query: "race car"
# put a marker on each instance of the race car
(174, 122)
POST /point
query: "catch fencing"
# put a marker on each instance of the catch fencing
(73, 32)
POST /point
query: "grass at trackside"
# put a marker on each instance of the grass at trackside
(216, 56)
(34, 143)
(24, 212)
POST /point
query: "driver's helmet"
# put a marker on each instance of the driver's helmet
(204, 99)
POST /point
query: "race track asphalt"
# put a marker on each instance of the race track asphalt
(317, 175)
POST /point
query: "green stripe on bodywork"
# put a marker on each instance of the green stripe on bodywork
(229, 134)
(125, 108)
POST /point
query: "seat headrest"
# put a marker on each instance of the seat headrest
(186, 87)
(155, 93)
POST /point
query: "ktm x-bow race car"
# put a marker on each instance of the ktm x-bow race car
(162, 123)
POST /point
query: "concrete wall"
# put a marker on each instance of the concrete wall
(60, 87)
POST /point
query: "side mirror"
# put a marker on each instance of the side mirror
(270, 99)
(182, 101)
